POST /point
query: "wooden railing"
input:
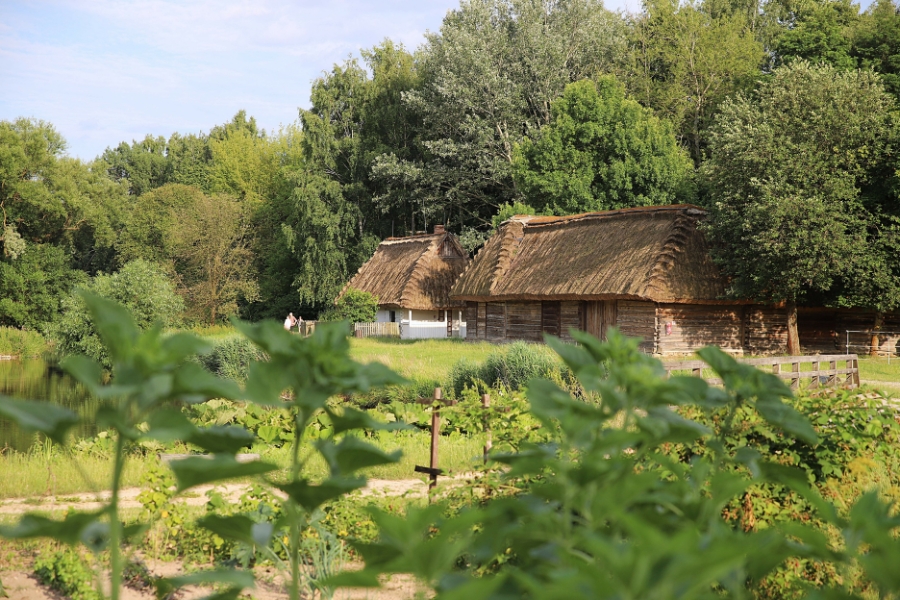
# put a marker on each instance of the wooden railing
(824, 371)
(376, 330)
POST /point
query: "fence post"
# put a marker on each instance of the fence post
(435, 436)
(795, 380)
(815, 380)
(486, 405)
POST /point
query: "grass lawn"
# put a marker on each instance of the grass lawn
(36, 474)
(419, 360)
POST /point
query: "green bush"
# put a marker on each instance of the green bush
(21, 343)
(231, 357)
(67, 572)
(140, 286)
(510, 368)
(354, 305)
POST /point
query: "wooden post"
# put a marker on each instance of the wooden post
(486, 405)
(814, 383)
(795, 380)
(435, 437)
(832, 377)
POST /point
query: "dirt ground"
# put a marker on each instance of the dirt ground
(21, 584)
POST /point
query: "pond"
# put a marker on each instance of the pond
(34, 380)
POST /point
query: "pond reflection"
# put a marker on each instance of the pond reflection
(33, 380)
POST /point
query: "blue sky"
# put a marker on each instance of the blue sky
(106, 71)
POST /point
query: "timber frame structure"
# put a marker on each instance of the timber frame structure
(646, 271)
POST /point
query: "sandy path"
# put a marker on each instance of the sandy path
(194, 497)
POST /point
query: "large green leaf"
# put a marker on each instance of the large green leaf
(239, 528)
(114, 325)
(192, 383)
(352, 454)
(265, 383)
(350, 418)
(68, 531)
(233, 577)
(311, 496)
(50, 419)
(221, 439)
(194, 471)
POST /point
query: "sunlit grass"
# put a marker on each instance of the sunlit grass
(35, 474)
(419, 360)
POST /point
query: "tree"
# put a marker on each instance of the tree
(143, 165)
(876, 43)
(486, 80)
(355, 306)
(601, 151)
(818, 31)
(686, 59)
(793, 180)
(211, 251)
(140, 286)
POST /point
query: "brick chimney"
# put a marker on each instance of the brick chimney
(438, 229)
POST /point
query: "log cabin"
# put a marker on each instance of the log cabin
(412, 277)
(646, 271)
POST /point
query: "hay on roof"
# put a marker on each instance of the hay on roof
(414, 272)
(653, 253)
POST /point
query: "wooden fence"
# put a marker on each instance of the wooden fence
(824, 371)
(362, 330)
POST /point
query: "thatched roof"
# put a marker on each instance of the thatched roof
(652, 253)
(413, 272)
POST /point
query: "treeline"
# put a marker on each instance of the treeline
(780, 117)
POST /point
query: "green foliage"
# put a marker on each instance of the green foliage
(231, 357)
(21, 343)
(601, 151)
(507, 368)
(687, 58)
(139, 285)
(507, 211)
(796, 180)
(67, 572)
(589, 513)
(820, 33)
(355, 306)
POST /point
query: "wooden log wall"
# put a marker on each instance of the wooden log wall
(550, 312)
(471, 317)
(685, 328)
(638, 319)
(818, 331)
(571, 316)
(765, 330)
(495, 314)
(523, 321)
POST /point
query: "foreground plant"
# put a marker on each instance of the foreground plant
(609, 511)
(151, 377)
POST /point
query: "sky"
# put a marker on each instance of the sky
(107, 71)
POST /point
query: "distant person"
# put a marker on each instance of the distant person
(290, 321)
(299, 324)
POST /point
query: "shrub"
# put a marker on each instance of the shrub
(68, 573)
(140, 286)
(510, 368)
(355, 306)
(21, 343)
(231, 357)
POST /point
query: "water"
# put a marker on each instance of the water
(33, 380)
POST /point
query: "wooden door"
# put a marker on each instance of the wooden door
(593, 319)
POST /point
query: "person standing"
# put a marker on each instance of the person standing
(290, 321)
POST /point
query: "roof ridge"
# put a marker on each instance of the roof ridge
(414, 275)
(665, 260)
(538, 221)
(509, 241)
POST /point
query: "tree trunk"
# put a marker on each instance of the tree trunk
(793, 340)
(874, 343)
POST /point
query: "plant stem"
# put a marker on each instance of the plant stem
(115, 526)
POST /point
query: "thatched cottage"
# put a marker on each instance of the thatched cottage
(412, 277)
(645, 270)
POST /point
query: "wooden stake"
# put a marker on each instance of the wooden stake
(486, 404)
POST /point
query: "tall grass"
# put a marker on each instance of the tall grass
(509, 367)
(20, 343)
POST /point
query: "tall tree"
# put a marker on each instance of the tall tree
(817, 31)
(792, 182)
(601, 151)
(486, 80)
(876, 43)
(685, 60)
